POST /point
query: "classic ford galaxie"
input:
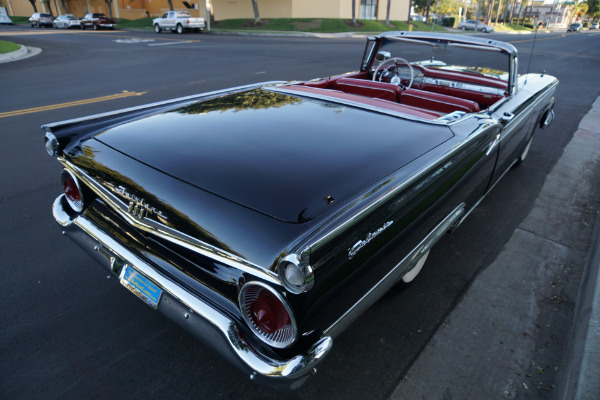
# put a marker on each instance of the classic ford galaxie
(266, 218)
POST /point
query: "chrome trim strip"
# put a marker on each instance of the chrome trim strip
(170, 234)
(213, 324)
(395, 274)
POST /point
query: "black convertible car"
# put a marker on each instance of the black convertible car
(265, 219)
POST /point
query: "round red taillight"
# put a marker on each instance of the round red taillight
(267, 314)
(72, 191)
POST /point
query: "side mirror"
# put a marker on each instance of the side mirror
(383, 55)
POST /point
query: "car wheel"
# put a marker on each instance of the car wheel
(96, 27)
(464, 28)
(179, 29)
(83, 27)
(157, 28)
(412, 274)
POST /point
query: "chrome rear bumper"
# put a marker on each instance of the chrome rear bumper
(206, 323)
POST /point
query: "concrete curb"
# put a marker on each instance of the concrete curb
(23, 52)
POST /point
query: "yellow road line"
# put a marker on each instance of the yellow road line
(70, 104)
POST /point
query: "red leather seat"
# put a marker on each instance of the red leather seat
(437, 102)
(363, 87)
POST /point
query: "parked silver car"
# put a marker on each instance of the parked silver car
(41, 19)
(66, 21)
(474, 25)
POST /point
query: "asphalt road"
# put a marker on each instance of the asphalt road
(69, 332)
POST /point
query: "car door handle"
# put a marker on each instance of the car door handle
(507, 117)
(493, 145)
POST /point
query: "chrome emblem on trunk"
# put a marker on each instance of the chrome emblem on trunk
(138, 206)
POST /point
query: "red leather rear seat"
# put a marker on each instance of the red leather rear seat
(437, 102)
(363, 87)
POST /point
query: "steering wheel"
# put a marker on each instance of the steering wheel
(396, 78)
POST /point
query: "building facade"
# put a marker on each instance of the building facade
(220, 9)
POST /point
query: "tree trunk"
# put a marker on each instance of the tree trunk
(387, 16)
(409, 9)
(256, 13)
(64, 6)
(109, 6)
(33, 5)
(353, 12)
(498, 10)
(170, 4)
(49, 5)
(508, 4)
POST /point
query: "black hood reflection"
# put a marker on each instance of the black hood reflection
(257, 99)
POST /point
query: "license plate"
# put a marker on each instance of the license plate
(141, 286)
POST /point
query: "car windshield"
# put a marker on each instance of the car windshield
(452, 56)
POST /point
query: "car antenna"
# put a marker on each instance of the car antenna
(531, 56)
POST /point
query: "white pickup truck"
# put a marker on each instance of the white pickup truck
(177, 21)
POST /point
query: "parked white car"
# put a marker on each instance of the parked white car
(5, 19)
(177, 21)
(474, 25)
(66, 21)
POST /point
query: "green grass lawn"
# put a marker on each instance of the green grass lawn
(20, 20)
(317, 25)
(8, 47)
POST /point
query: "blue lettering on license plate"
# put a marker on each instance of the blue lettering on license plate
(141, 286)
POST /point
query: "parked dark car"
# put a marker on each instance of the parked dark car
(41, 19)
(66, 21)
(266, 218)
(575, 27)
(97, 21)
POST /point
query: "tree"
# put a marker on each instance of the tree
(170, 4)
(64, 6)
(109, 5)
(353, 12)
(387, 14)
(593, 8)
(256, 13)
(49, 5)
(33, 5)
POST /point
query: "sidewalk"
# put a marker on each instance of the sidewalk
(488, 347)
